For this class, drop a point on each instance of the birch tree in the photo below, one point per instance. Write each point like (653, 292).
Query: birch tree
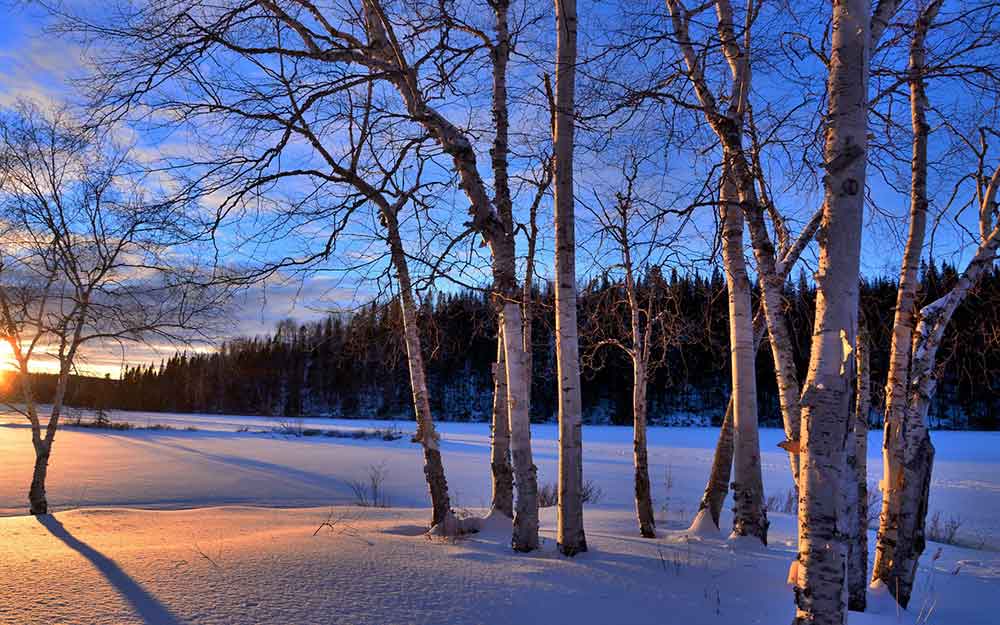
(632, 223)
(820, 591)
(908, 453)
(338, 48)
(710, 505)
(86, 260)
(749, 514)
(857, 563)
(571, 538)
(728, 125)
(905, 317)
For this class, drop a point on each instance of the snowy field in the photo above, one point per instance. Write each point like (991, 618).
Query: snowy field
(216, 526)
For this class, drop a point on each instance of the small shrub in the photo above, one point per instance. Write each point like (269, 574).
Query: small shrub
(785, 502)
(548, 494)
(592, 493)
(291, 428)
(874, 504)
(370, 492)
(105, 425)
(941, 530)
(102, 419)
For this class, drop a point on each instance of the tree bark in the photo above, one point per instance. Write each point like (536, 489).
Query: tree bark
(820, 592)
(895, 437)
(718, 478)
(484, 220)
(643, 495)
(722, 461)
(857, 563)
(426, 435)
(918, 459)
(36, 494)
(503, 476)
(570, 538)
(525, 534)
(750, 518)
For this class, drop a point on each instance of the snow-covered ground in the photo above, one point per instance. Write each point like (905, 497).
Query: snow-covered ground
(216, 526)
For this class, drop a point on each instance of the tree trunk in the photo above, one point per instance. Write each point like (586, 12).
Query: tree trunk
(426, 434)
(643, 495)
(894, 445)
(525, 535)
(718, 478)
(722, 461)
(571, 538)
(857, 563)
(503, 476)
(750, 518)
(821, 592)
(772, 303)
(918, 456)
(36, 495)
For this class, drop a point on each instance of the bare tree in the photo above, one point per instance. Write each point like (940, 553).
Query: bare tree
(632, 224)
(320, 55)
(571, 538)
(820, 591)
(86, 259)
(948, 59)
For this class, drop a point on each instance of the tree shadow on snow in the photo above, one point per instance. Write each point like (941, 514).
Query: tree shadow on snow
(146, 606)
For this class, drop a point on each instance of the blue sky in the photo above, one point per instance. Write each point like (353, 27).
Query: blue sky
(37, 65)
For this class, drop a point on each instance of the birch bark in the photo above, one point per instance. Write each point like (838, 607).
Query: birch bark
(570, 535)
(426, 434)
(895, 436)
(821, 592)
(750, 518)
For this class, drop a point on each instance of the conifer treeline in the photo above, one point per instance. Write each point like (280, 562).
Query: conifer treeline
(353, 365)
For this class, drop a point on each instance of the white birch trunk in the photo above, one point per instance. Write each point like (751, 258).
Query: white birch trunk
(503, 476)
(570, 535)
(821, 589)
(894, 445)
(714, 496)
(918, 455)
(750, 518)
(426, 435)
(643, 491)
(857, 563)
(525, 534)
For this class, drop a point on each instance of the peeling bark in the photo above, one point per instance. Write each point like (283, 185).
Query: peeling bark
(821, 591)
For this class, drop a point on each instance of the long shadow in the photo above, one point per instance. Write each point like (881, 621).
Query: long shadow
(148, 607)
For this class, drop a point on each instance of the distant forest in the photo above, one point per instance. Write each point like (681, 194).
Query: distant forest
(353, 365)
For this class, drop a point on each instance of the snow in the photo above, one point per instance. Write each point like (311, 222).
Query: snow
(216, 526)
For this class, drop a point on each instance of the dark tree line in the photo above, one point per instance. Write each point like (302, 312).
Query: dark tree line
(354, 364)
